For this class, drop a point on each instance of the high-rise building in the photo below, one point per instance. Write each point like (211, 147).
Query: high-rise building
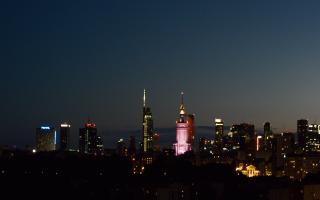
(267, 129)
(302, 126)
(46, 139)
(147, 127)
(122, 149)
(302, 132)
(243, 136)
(182, 145)
(88, 138)
(218, 136)
(267, 135)
(64, 137)
(156, 144)
(132, 150)
(191, 132)
(282, 145)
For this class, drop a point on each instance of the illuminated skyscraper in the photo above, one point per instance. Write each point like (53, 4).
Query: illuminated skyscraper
(64, 137)
(147, 127)
(219, 127)
(88, 138)
(182, 145)
(46, 138)
(191, 133)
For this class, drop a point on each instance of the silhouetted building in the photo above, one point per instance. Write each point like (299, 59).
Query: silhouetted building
(282, 146)
(243, 137)
(156, 144)
(147, 127)
(191, 132)
(168, 152)
(46, 138)
(302, 126)
(267, 135)
(302, 131)
(298, 166)
(132, 150)
(122, 148)
(88, 139)
(64, 137)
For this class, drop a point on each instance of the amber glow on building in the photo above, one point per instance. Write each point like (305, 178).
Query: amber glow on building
(248, 170)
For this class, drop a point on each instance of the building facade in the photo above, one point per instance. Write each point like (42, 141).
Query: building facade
(88, 139)
(182, 146)
(147, 127)
(64, 144)
(46, 138)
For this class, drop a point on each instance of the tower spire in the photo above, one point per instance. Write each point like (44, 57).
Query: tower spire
(182, 98)
(144, 97)
(182, 109)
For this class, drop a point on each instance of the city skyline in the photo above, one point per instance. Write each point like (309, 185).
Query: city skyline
(241, 62)
(169, 133)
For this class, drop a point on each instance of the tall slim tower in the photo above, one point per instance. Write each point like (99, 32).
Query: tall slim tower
(88, 138)
(182, 145)
(218, 137)
(65, 136)
(302, 131)
(147, 127)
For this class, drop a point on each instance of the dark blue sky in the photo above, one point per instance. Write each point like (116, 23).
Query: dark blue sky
(244, 62)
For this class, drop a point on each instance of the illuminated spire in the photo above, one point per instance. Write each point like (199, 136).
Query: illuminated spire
(182, 109)
(144, 97)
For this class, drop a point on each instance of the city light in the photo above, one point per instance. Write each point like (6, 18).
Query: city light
(55, 137)
(45, 127)
(65, 125)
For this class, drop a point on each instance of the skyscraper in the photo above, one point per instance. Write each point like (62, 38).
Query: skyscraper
(132, 150)
(243, 136)
(64, 137)
(46, 138)
(302, 126)
(267, 134)
(88, 138)
(122, 149)
(147, 127)
(156, 145)
(302, 132)
(182, 145)
(219, 129)
(191, 133)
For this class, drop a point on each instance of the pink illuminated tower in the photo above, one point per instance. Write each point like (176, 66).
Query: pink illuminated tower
(182, 145)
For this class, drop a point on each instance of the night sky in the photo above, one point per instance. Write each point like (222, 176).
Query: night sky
(253, 61)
